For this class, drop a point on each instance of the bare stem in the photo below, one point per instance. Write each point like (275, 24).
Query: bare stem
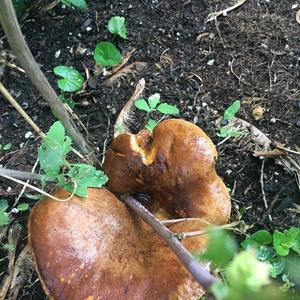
(200, 274)
(20, 48)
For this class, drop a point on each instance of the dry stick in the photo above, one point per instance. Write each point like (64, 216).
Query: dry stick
(200, 274)
(27, 118)
(20, 48)
(123, 115)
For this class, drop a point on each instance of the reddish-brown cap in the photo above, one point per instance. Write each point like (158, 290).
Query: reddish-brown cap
(97, 248)
(175, 165)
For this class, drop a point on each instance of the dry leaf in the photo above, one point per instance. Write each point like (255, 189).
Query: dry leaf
(258, 113)
(298, 16)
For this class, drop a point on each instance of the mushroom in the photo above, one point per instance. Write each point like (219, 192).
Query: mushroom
(97, 248)
(175, 166)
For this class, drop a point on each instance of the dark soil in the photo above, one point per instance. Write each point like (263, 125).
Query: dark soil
(252, 54)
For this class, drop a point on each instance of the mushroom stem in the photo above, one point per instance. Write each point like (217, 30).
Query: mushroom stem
(200, 274)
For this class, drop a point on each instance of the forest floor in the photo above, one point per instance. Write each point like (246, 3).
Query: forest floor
(251, 54)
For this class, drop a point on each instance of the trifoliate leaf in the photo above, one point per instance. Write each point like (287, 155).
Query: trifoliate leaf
(72, 80)
(142, 105)
(116, 25)
(168, 109)
(76, 3)
(154, 100)
(106, 54)
(232, 110)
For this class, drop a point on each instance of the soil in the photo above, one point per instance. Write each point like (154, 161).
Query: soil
(251, 54)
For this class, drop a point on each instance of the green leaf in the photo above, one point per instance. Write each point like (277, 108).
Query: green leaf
(232, 110)
(4, 219)
(221, 248)
(85, 176)
(23, 206)
(76, 3)
(3, 205)
(220, 290)
(6, 147)
(68, 101)
(295, 234)
(154, 100)
(264, 253)
(282, 241)
(53, 150)
(166, 108)
(230, 131)
(246, 274)
(106, 54)
(151, 124)
(261, 237)
(116, 25)
(277, 266)
(142, 105)
(34, 197)
(72, 80)
(8, 247)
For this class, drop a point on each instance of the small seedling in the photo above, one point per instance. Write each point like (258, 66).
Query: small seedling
(152, 105)
(4, 218)
(23, 207)
(52, 156)
(69, 101)
(116, 25)
(72, 80)
(81, 4)
(230, 130)
(5, 147)
(106, 54)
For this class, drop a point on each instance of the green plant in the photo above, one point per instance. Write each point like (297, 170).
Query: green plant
(4, 218)
(245, 276)
(153, 104)
(230, 130)
(52, 156)
(279, 250)
(5, 147)
(116, 25)
(76, 3)
(72, 80)
(106, 54)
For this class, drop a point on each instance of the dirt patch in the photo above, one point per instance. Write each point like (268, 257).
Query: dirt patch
(252, 54)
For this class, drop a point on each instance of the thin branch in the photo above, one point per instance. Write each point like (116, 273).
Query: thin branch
(207, 230)
(20, 48)
(24, 175)
(174, 221)
(200, 274)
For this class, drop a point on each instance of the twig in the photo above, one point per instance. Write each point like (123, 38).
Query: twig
(214, 15)
(41, 191)
(25, 186)
(174, 221)
(200, 274)
(20, 48)
(123, 115)
(183, 235)
(24, 175)
(262, 183)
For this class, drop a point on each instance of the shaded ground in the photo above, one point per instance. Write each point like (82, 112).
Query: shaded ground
(252, 54)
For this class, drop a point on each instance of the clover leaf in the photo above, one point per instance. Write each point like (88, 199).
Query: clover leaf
(116, 25)
(72, 80)
(106, 54)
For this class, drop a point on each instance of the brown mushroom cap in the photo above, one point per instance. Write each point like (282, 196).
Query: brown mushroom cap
(175, 165)
(97, 248)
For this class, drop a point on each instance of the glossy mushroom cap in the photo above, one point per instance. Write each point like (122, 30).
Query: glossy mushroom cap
(97, 248)
(175, 165)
